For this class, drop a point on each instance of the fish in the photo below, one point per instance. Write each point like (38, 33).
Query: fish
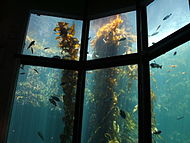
(158, 27)
(52, 102)
(55, 98)
(122, 114)
(41, 136)
(32, 50)
(22, 66)
(180, 117)
(175, 53)
(122, 39)
(56, 57)
(157, 132)
(36, 71)
(155, 65)
(46, 48)
(153, 43)
(135, 108)
(167, 16)
(22, 73)
(63, 83)
(155, 33)
(31, 44)
(173, 66)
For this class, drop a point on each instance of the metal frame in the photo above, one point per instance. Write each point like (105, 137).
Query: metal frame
(142, 58)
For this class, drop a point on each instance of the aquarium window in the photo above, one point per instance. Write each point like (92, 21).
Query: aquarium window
(110, 112)
(112, 36)
(44, 103)
(50, 36)
(165, 17)
(170, 88)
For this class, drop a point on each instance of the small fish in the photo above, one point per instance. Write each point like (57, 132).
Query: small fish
(31, 44)
(46, 48)
(40, 135)
(175, 53)
(22, 67)
(153, 43)
(155, 65)
(32, 50)
(55, 98)
(183, 73)
(22, 73)
(155, 33)
(157, 132)
(158, 27)
(122, 114)
(180, 117)
(89, 38)
(56, 57)
(36, 71)
(167, 16)
(52, 102)
(135, 108)
(122, 39)
(173, 66)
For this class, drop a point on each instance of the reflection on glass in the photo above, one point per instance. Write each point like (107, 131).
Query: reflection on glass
(43, 109)
(110, 113)
(53, 37)
(170, 88)
(112, 36)
(166, 17)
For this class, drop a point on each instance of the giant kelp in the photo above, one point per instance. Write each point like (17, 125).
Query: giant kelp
(69, 46)
(105, 124)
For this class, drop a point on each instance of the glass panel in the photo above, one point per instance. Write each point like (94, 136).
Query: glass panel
(166, 17)
(110, 112)
(53, 37)
(170, 88)
(112, 36)
(43, 109)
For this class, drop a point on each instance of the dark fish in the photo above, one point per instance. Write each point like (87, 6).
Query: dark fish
(32, 50)
(167, 16)
(89, 38)
(153, 43)
(55, 98)
(175, 53)
(63, 83)
(22, 73)
(122, 114)
(155, 65)
(52, 101)
(158, 27)
(157, 132)
(180, 117)
(46, 48)
(56, 57)
(40, 135)
(31, 44)
(122, 39)
(36, 71)
(155, 33)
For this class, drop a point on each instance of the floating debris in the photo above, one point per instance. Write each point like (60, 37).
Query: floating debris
(41, 136)
(180, 117)
(52, 101)
(175, 53)
(155, 65)
(122, 114)
(55, 98)
(167, 16)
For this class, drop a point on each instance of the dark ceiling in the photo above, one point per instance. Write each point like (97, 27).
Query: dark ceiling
(77, 8)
